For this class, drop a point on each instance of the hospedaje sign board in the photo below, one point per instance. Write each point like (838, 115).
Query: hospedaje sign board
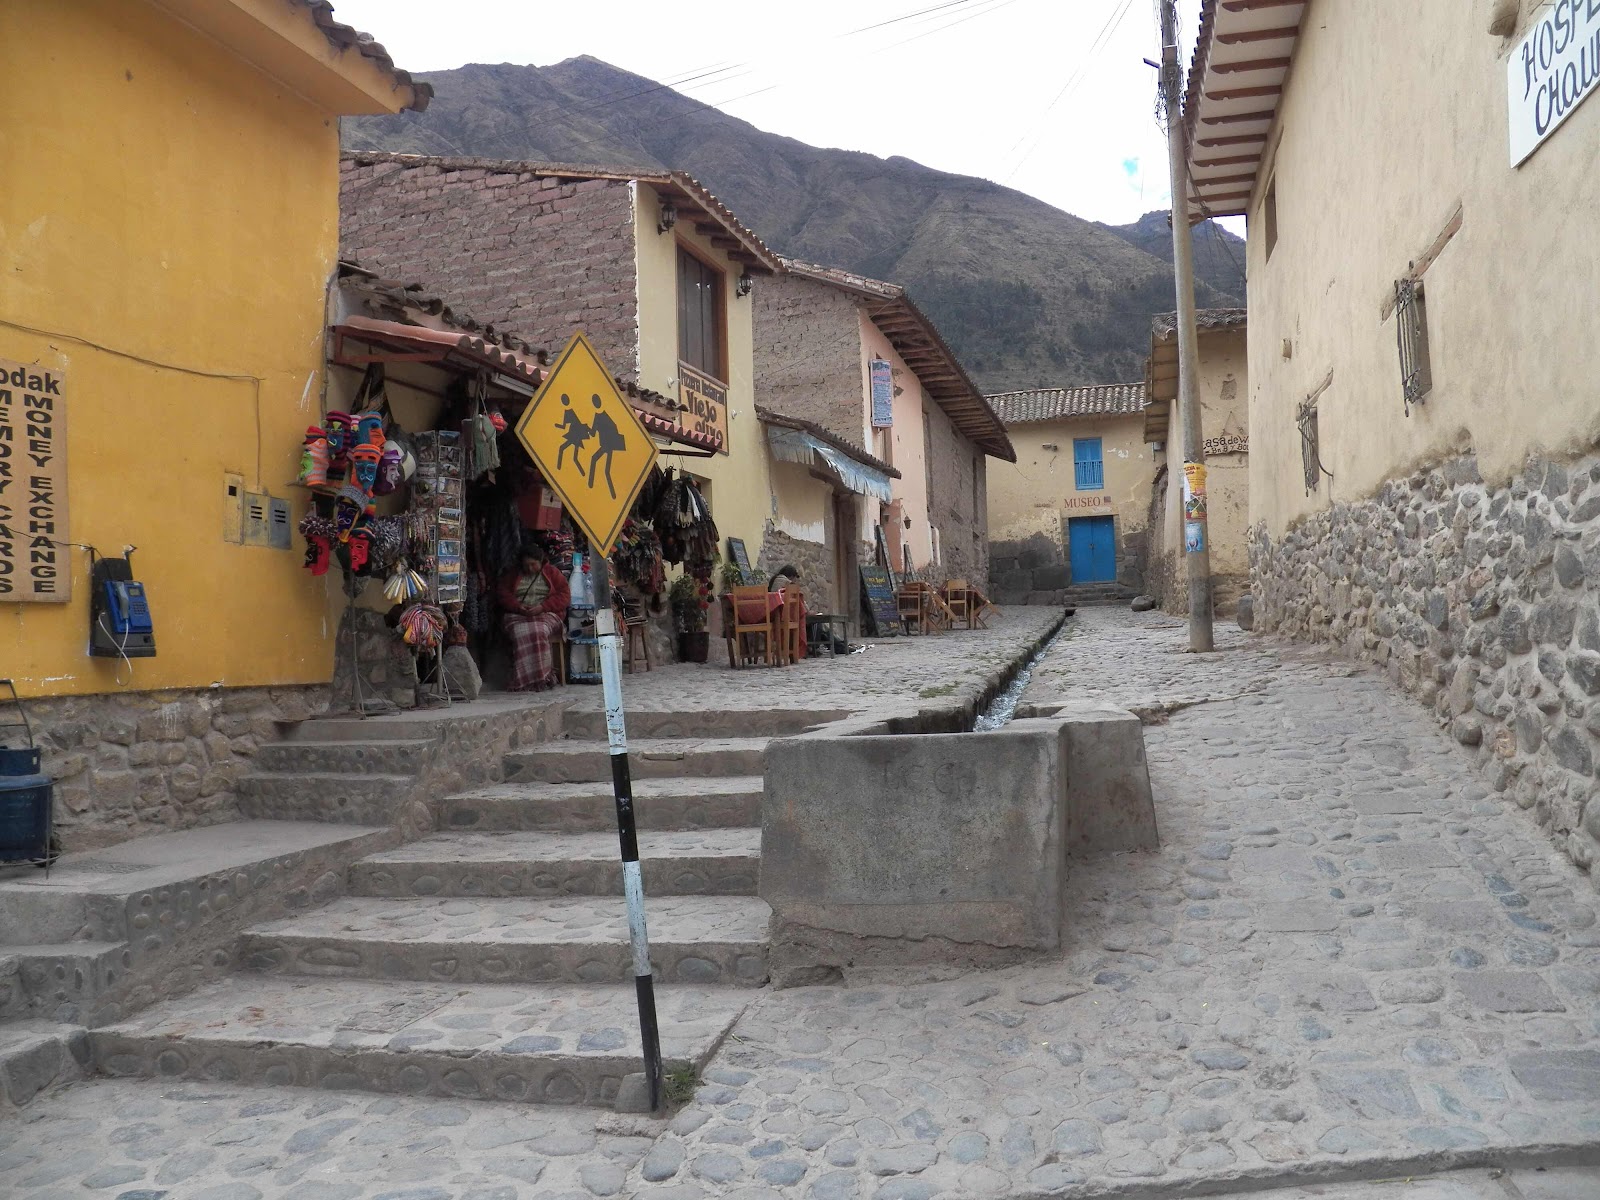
(1552, 70)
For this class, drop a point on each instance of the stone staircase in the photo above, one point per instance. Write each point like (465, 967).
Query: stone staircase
(1091, 595)
(490, 959)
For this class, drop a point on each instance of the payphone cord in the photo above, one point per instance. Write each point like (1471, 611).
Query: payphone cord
(122, 649)
(122, 646)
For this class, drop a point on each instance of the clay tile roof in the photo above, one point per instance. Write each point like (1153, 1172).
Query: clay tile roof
(391, 297)
(343, 37)
(1055, 404)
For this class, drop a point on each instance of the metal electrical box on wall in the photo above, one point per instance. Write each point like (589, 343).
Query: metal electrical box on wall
(266, 521)
(253, 518)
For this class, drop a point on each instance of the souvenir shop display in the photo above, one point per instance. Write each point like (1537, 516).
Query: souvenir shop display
(437, 493)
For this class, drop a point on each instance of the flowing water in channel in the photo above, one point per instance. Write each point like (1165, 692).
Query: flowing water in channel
(1004, 706)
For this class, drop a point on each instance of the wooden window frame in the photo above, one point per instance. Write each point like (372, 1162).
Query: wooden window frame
(720, 374)
(1269, 216)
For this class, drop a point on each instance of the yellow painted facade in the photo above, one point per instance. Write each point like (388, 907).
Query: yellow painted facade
(1223, 384)
(1038, 494)
(167, 233)
(739, 489)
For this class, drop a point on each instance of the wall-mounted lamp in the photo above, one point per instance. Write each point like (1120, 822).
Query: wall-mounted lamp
(746, 284)
(669, 216)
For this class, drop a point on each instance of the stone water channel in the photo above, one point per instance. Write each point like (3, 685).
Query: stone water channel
(1003, 708)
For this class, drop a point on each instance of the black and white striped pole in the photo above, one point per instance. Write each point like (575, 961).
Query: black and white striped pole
(605, 627)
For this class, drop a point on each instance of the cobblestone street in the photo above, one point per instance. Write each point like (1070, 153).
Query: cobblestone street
(1349, 960)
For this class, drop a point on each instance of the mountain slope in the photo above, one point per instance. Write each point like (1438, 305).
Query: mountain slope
(1026, 294)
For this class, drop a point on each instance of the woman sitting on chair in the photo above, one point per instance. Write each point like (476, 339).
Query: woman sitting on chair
(533, 602)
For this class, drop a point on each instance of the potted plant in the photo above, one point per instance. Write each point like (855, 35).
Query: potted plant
(689, 598)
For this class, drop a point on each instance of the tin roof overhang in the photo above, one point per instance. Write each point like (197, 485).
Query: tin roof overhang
(1241, 64)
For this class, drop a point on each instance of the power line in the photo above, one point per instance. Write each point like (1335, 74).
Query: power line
(1113, 23)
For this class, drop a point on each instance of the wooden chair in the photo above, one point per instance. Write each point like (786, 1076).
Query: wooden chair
(747, 602)
(913, 610)
(958, 598)
(636, 633)
(793, 631)
(981, 606)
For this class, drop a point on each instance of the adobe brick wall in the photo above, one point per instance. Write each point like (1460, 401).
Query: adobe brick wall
(808, 354)
(963, 526)
(534, 256)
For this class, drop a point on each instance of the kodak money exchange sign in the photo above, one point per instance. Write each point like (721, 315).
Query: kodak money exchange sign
(588, 443)
(33, 484)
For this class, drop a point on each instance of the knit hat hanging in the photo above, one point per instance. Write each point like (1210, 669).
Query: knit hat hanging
(365, 457)
(314, 457)
(369, 428)
(338, 424)
(319, 534)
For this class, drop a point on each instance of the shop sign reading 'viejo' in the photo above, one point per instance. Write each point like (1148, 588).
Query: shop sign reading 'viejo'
(1551, 72)
(705, 405)
(33, 484)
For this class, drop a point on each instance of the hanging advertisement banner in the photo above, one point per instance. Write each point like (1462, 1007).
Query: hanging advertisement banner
(882, 394)
(33, 485)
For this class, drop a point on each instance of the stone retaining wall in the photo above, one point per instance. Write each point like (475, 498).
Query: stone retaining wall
(1484, 603)
(138, 763)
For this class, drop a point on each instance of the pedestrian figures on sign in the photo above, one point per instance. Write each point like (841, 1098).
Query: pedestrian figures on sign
(576, 433)
(609, 440)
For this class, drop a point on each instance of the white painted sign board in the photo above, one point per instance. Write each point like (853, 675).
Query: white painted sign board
(1553, 70)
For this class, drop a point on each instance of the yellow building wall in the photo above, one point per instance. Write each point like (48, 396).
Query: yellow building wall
(1370, 164)
(170, 216)
(1038, 493)
(740, 496)
(1223, 382)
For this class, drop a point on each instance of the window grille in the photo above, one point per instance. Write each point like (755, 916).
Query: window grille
(1310, 448)
(1411, 330)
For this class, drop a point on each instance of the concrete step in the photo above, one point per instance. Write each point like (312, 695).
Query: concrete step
(648, 758)
(590, 724)
(706, 862)
(717, 803)
(539, 1045)
(150, 890)
(387, 756)
(693, 939)
(324, 796)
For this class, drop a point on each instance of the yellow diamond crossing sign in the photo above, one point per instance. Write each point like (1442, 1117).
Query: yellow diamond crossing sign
(588, 443)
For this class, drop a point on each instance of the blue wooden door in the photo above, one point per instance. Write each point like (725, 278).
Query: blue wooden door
(1088, 466)
(1092, 549)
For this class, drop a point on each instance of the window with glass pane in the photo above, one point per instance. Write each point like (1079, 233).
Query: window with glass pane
(699, 314)
(1088, 465)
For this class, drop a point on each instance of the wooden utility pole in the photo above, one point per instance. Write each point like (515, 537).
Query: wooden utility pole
(1196, 542)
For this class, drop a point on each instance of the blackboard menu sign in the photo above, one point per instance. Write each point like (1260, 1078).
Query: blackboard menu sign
(877, 597)
(741, 558)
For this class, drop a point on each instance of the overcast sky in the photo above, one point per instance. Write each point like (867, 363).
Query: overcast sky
(1051, 97)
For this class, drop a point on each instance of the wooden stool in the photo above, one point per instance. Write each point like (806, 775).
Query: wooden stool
(633, 624)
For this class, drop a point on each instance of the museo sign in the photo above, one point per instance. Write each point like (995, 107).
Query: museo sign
(1553, 70)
